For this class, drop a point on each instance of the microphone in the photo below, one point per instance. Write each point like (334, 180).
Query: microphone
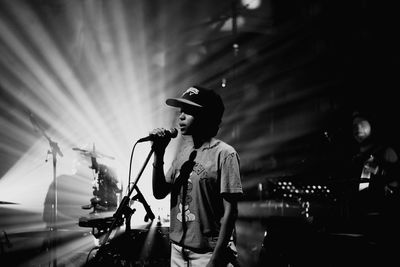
(171, 133)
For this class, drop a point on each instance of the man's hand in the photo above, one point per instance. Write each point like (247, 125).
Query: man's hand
(160, 140)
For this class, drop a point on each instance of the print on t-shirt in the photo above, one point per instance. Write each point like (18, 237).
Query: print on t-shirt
(185, 211)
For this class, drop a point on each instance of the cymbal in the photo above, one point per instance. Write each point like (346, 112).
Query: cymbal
(92, 154)
(7, 202)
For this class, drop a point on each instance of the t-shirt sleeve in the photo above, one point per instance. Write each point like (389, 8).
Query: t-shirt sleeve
(230, 174)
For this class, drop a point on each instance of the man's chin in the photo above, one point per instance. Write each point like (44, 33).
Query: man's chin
(185, 132)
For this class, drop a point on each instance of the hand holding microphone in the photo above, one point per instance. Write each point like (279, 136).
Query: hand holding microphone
(160, 138)
(160, 133)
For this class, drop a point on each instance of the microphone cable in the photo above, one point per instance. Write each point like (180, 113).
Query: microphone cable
(130, 167)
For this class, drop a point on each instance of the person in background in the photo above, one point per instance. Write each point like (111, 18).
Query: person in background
(204, 183)
(374, 190)
(376, 164)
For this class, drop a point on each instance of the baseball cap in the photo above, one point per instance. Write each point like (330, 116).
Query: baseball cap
(206, 100)
(364, 115)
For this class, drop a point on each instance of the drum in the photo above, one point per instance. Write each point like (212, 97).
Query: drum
(137, 247)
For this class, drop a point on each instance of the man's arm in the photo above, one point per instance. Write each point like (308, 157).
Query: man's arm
(227, 226)
(160, 186)
(160, 142)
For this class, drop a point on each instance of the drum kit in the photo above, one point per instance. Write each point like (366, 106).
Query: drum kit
(143, 246)
(135, 247)
(105, 188)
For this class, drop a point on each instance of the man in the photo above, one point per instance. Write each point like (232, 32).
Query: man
(374, 196)
(376, 163)
(204, 183)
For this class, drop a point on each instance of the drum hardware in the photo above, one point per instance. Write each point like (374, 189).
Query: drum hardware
(5, 243)
(124, 212)
(93, 153)
(6, 202)
(54, 151)
(105, 188)
(99, 225)
(137, 247)
(123, 208)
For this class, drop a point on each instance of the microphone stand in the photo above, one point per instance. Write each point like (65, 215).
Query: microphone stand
(54, 150)
(53, 239)
(124, 209)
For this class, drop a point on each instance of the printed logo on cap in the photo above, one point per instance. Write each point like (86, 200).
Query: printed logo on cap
(192, 91)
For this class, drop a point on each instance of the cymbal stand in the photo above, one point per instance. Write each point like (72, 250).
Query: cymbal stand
(53, 229)
(54, 151)
(124, 209)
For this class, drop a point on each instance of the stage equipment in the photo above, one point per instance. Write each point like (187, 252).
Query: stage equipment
(54, 151)
(105, 188)
(6, 202)
(107, 253)
(135, 248)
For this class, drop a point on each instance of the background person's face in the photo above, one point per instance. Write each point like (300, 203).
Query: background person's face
(361, 129)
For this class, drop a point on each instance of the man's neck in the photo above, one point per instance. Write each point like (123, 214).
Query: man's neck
(197, 141)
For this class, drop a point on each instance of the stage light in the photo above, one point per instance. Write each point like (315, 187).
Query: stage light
(88, 87)
(227, 26)
(251, 4)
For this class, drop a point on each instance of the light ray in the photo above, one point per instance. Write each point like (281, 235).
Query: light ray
(89, 87)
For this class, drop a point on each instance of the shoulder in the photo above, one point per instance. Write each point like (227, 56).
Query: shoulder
(385, 152)
(224, 150)
(390, 155)
(221, 146)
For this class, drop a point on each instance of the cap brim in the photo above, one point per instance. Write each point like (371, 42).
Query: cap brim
(179, 102)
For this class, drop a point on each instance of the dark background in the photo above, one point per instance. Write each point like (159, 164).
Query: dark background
(301, 68)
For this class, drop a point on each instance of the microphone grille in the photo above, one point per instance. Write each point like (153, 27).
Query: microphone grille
(174, 132)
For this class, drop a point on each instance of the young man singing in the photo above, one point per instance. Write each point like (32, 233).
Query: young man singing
(204, 183)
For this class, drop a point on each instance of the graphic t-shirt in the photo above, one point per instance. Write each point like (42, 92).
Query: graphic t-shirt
(200, 177)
